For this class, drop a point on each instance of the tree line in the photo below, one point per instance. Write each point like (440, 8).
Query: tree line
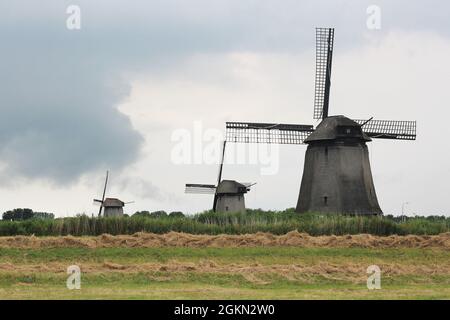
(25, 214)
(19, 214)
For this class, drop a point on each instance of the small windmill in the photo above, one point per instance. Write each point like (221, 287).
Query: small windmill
(228, 194)
(337, 177)
(111, 206)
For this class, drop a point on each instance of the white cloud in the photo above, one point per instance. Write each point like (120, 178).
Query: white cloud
(213, 62)
(402, 76)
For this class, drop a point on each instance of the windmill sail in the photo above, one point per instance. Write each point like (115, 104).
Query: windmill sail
(324, 56)
(248, 184)
(200, 188)
(248, 132)
(219, 178)
(104, 192)
(389, 129)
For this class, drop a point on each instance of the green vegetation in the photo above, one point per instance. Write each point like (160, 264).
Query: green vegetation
(229, 223)
(25, 214)
(224, 273)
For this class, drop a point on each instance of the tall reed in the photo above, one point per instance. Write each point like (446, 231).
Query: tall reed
(230, 223)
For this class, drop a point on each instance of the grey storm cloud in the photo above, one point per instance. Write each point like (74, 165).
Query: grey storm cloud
(59, 89)
(59, 116)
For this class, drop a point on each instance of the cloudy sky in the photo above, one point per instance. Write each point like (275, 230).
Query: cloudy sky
(119, 92)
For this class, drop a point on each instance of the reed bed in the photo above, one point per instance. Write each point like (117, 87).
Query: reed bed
(212, 223)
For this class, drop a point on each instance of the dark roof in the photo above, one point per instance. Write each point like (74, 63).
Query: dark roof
(337, 127)
(230, 187)
(113, 202)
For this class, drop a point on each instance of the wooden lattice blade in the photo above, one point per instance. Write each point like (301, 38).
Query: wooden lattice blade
(200, 188)
(278, 133)
(389, 129)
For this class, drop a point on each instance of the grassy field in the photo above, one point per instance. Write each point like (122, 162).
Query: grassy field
(225, 273)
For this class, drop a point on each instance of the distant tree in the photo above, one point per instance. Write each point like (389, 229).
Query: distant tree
(43, 215)
(18, 214)
(436, 218)
(176, 214)
(8, 215)
(141, 214)
(158, 214)
(154, 214)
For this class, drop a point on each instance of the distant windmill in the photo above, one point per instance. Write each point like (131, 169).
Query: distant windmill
(228, 194)
(337, 177)
(111, 206)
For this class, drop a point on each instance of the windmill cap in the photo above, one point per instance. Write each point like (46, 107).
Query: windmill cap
(337, 127)
(113, 202)
(231, 187)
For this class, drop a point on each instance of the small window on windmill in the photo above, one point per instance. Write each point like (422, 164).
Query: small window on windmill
(325, 200)
(226, 208)
(345, 130)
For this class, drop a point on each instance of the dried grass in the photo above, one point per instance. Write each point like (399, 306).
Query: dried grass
(349, 271)
(176, 239)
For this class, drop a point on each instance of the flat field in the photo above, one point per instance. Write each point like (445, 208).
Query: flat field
(259, 266)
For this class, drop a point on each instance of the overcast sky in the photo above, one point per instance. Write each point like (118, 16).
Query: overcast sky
(116, 93)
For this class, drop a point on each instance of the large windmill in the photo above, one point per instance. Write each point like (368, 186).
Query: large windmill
(337, 177)
(228, 194)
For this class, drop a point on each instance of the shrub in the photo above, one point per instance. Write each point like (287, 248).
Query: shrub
(141, 214)
(176, 214)
(158, 214)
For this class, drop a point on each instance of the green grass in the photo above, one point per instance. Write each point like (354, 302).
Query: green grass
(27, 280)
(229, 255)
(231, 223)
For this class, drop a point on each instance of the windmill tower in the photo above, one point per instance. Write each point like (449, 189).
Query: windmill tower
(337, 177)
(228, 194)
(112, 207)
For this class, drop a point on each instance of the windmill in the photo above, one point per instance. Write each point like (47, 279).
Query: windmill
(111, 206)
(228, 194)
(337, 177)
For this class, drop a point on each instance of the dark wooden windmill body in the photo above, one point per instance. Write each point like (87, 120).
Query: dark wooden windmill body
(228, 194)
(337, 177)
(112, 207)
